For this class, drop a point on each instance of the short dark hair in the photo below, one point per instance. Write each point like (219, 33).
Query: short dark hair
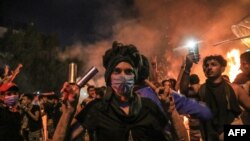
(29, 96)
(163, 81)
(89, 87)
(194, 79)
(245, 56)
(172, 82)
(218, 58)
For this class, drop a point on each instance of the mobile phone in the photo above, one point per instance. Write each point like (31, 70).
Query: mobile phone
(195, 51)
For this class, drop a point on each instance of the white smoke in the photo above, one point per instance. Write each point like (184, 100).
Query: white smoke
(163, 25)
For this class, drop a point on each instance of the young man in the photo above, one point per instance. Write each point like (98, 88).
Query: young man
(92, 95)
(192, 92)
(221, 97)
(33, 114)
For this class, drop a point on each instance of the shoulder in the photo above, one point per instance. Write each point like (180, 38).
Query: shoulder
(241, 78)
(238, 89)
(147, 102)
(235, 87)
(89, 110)
(144, 89)
(150, 105)
(94, 104)
(154, 109)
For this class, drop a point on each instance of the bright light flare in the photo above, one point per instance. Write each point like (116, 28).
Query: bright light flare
(191, 43)
(233, 60)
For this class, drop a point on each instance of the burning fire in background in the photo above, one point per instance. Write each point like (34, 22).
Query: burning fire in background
(233, 63)
(159, 26)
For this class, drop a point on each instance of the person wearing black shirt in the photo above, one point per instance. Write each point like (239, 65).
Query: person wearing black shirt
(122, 115)
(10, 118)
(32, 112)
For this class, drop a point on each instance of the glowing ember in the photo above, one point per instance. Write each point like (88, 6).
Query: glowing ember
(233, 60)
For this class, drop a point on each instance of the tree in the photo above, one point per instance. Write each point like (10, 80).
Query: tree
(42, 69)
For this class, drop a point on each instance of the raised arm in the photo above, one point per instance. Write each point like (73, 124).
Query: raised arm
(184, 82)
(154, 77)
(169, 107)
(71, 97)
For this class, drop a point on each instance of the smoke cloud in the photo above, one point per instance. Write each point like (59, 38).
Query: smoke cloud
(157, 27)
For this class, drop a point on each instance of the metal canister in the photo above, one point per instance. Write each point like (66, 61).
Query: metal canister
(87, 76)
(72, 73)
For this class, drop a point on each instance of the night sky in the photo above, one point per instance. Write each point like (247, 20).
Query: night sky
(71, 20)
(156, 27)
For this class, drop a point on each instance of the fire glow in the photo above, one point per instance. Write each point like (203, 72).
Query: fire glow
(233, 60)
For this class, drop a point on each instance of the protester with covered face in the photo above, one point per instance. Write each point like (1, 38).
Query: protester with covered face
(121, 115)
(10, 118)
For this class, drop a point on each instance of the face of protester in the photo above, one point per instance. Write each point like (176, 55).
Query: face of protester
(122, 79)
(168, 84)
(26, 101)
(245, 67)
(92, 93)
(10, 98)
(213, 69)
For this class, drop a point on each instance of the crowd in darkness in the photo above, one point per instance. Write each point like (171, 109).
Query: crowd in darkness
(132, 106)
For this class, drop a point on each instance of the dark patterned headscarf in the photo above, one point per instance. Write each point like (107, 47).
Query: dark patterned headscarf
(121, 53)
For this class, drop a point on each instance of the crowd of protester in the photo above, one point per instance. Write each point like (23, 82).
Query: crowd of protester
(135, 105)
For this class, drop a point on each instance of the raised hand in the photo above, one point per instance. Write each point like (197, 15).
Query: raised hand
(71, 95)
(190, 59)
(167, 99)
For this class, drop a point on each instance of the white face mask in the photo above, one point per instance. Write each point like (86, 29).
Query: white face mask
(123, 84)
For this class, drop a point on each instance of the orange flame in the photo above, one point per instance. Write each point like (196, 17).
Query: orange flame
(233, 60)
